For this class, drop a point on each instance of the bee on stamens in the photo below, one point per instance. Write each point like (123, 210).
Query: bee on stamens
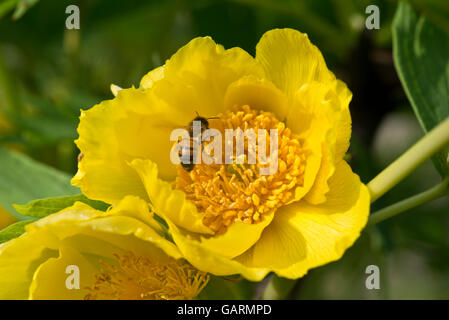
(187, 146)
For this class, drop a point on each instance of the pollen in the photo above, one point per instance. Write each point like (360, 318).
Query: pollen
(140, 278)
(237, 191)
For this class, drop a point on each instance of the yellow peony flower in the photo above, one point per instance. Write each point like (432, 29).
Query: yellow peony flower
(228, 218)
(83, 253)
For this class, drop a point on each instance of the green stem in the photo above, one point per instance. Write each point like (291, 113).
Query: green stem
(434, 193)
(410, 160)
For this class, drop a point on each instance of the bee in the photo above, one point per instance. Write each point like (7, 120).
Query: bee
(186, 150)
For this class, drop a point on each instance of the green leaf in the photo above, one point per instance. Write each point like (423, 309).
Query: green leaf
(421, 55)
(43, 207)
(13, 231)
(23, 179)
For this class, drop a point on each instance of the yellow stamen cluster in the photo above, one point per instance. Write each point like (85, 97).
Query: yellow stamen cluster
(139, 278)
(227, 193)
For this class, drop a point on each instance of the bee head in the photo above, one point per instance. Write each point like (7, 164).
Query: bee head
(204, 122)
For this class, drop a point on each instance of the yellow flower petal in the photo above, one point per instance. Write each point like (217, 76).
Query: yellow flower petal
(115, 89)
(115, 132)
(318, 99)
(303, 236)
(290, 60)
(323, 108)
(152, 77)
(337, 139)
(259, 94)
(205, 260)
(197, 76)
(17, 258)
(231, 243)
(49, 280)
(308, 118)
(343, 135)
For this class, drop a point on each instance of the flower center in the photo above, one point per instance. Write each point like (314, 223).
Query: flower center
(227, 193)
(139, 278)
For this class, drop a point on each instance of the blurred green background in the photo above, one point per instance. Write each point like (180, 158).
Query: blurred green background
(49, 73)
